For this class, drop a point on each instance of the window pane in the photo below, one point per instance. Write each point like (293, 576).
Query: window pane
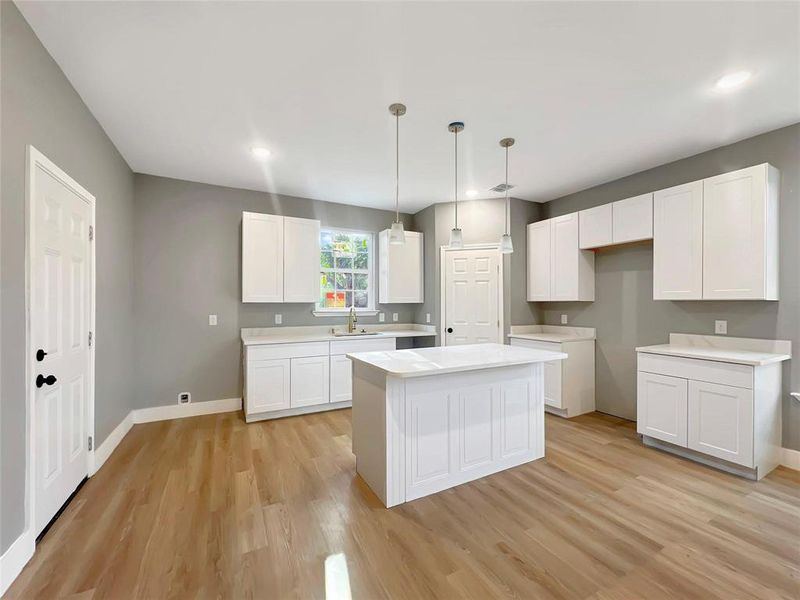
(361, 243)
(361, 300)
(348, 300)
(360, 281)
(326, 260)
(343, 245)
(344, 263)
(326, 241)
(361, 261)
(326, 282)
(344, 281)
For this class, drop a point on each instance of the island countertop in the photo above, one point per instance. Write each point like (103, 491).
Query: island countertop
(422, 362)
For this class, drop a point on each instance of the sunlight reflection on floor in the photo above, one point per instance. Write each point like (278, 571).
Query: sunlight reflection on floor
(337, 578)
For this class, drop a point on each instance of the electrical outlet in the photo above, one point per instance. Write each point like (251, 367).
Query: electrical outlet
(212, 320)
(381, 317)
(395, 316)
(427, 317)
(721, 327)
(278, 319)
(184, 398)
(563, 319)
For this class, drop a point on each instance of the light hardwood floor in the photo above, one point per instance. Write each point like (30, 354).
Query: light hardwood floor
(212, 507)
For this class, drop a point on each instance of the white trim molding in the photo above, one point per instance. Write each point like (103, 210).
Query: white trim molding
(791, 459)
(15, 558)
(179, 411)
(104, 450)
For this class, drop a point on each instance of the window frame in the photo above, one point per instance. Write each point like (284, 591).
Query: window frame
(371, 290)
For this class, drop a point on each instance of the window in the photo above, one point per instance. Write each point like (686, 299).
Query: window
(346, 273)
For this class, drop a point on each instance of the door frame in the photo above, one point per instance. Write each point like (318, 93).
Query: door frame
(34, 159)
(443, 250)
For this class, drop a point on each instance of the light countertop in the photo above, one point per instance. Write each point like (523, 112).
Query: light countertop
(452, 359)
(552, 333)
(257, 336)
(743, 351)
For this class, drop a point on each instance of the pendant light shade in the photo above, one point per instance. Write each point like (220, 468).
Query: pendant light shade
(506, 244)
(397, 235)
(456, 239)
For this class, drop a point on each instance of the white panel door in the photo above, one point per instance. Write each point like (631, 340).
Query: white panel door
(61, 294)
(633, 219)
(341, 378)
(595, 225)
(661, 405)
(300, 260)
(565, 274)
(678, 243)
(721, 421)
(267, 385)
(472, 294)
(734, 228)
(262, 258)
(310, 381)
(539, 261)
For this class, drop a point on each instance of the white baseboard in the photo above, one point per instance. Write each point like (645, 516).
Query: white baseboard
(178, 411)
(791, 458)
(15, 558)
(104, 450)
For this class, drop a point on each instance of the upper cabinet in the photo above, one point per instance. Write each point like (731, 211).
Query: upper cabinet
(717, 239)
(401, 271)
(558, 270)
(629, 220)
(596, 227)
(280, 258)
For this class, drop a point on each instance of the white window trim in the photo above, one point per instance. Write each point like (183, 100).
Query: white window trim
(370, 310)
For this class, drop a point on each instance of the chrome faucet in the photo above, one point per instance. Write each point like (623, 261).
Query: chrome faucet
(352, 319)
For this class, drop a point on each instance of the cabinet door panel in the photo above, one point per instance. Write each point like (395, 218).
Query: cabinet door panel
(564, 276)
(661, 403)
(633, 219)
(267, 385)
(341, 379)
(401, 267)
(678, 243)
(262, 258)
(301, 260)
(539, 252)
(310, 381)
(721, 421)
(595, 226)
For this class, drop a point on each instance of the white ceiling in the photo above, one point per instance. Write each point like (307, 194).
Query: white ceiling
(591, 91)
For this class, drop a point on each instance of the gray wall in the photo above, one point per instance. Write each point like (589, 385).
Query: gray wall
(624, 311)
(40, 107)
(187, 266)
(481, 221)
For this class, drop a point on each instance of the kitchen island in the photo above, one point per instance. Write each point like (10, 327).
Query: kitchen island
(428, 419)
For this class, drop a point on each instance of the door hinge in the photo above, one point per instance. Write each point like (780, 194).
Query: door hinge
(91, 444)
(91, 233)
(90, 339)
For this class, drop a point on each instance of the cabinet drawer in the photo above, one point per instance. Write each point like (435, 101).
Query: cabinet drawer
(287, 350)
(537, 345)
(373, 344)
(699, 370)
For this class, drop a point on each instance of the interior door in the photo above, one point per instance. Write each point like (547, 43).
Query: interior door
(61, 304)
(472, 294)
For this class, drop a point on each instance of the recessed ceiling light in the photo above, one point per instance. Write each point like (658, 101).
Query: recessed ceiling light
(472, 193)
(731, 81)
(260, 153)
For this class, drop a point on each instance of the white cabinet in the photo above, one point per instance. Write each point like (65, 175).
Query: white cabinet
(557, 269)
(280, 258)
(309, 381)
(401, 269)
(633, 219)
(678, 243)
(596, 227)
(721, 421)
(266, 385)
(740, 235)
(262, 258)
(661, 403)
(341, 379)
(300, 260)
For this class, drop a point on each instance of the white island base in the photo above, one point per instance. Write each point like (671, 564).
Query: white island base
(429, 419)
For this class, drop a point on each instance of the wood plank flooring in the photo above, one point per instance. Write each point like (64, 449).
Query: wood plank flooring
(209, 507)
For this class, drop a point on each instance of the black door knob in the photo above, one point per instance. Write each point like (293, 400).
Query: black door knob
(41, 380)
(449, 330)
(40, 354)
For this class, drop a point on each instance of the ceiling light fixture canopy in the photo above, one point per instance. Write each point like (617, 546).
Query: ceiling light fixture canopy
(456, 239)
(506, 244)
(397, 235)
(731, 81)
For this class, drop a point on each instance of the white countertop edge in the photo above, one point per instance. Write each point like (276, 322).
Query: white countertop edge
(742, 357)
(301, 334)
(551, 337)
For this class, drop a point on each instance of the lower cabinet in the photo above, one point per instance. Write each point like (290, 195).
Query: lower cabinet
(721, 421)
(341, 378)
(309, 381)
(661, 403)
(267, 386)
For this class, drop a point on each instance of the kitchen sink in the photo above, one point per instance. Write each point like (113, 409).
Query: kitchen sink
(355, 333)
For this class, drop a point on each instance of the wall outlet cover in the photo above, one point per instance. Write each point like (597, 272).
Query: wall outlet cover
(721, 327)
(563, 319)
(278, 319)
(381, 317)
(184, 398)
(395, 316)
(212, 320)
(427, 317)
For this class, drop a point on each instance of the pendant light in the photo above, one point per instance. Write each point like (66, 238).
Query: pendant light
(456, 239)
(506, 245)
(397, 236)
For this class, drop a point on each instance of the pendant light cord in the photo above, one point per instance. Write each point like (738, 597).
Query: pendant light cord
(397, 167)
(508, 207)
(455, 138)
